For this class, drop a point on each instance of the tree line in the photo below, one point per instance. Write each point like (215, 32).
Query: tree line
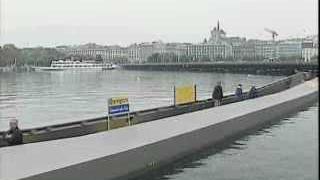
(10, 55)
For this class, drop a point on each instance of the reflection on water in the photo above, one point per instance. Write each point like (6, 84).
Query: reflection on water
(284, 149)
(43, 98)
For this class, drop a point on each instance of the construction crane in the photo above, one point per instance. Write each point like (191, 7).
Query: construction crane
(273, 33)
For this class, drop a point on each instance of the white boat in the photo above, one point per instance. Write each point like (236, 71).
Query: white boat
(110, 66)
(60, 65)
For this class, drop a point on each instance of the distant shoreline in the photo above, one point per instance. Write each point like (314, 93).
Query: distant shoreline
(16, 69)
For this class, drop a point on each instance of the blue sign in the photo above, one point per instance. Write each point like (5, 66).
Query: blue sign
(118, 105)
(119, 109)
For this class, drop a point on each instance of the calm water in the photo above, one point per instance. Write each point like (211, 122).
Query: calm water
(43, 98)
(287, 149)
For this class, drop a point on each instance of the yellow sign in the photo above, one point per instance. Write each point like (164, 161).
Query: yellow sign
(185, 94)
(118, 101)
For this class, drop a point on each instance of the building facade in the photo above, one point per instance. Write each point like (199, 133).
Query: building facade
(212, 51)
(289, 49)
(217, 47)
(310, 49)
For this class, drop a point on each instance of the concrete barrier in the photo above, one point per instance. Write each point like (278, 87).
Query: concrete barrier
(127, 152)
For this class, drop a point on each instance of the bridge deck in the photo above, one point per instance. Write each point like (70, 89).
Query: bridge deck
(28, 160)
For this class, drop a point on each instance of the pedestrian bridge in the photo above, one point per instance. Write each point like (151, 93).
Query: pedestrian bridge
(131, 150)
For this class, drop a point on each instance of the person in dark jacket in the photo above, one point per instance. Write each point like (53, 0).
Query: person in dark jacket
(14, 135)
(239, 92)
(217, 94)
(253, 92)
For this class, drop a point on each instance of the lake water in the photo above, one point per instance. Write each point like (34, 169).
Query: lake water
(43, 98)
(287, 149)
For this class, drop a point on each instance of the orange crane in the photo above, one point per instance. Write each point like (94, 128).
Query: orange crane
(273, 33)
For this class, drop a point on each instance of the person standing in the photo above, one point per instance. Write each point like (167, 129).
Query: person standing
(13, 136)
(239, 92)
(217, 94)
(253, 92)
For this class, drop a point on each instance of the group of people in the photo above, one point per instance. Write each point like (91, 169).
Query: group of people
(217, 93)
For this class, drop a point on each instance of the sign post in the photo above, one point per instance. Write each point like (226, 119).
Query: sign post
(118, 106)
(108, 123)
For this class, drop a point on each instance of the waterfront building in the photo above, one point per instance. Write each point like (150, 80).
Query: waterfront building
(262, 49)
(289, 49)
(248, 52)
(134, 53)
(178, 49)
(115, 53)
(217, 34)
(239, 51)
(216, 48)
(310, 47)
(107, 53)
(211, 51)
(138, 53)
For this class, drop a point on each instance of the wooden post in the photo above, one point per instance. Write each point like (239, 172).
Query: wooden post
(195, 93)
(108, 122)
(129, 121)
(108, 119)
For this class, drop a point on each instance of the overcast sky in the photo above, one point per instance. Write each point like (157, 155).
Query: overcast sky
(107, 22)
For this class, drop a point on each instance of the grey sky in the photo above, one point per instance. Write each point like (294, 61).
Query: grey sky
(57, 22)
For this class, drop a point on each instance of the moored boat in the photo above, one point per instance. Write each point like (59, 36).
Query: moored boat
(60, 65)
